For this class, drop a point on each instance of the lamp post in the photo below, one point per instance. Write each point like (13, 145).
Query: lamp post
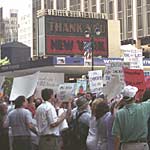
(91, 43)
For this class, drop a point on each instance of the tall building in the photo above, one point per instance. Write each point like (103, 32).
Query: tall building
(134, 15)
(11, 27)
(1, 26)
(13, 21)
(25, 30)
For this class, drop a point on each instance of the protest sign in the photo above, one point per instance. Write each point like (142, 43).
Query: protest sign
(113, 88)
(135, 57)
(95, 81)
(135, 77)
(107, 73)
(49, 80)
(24, 85)
(66, 91)
(81, 86)
(113, 69)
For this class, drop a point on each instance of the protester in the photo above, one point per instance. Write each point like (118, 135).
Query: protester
(31, 105)
(146, 96)
(130, 123)
(101, 114)
(80, 124)
(20, 120)
(4, 139)
(91, 138)
(48, 122)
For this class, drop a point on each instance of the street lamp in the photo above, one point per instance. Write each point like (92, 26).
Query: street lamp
(89, 34)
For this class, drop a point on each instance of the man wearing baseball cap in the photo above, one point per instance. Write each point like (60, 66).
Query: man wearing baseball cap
(130, 123)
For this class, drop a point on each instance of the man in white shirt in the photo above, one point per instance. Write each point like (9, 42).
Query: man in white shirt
(48, 122)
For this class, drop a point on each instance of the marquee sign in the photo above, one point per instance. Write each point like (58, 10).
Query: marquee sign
(65, 35)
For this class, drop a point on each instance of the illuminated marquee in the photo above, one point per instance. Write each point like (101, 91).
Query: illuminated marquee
(65, 35)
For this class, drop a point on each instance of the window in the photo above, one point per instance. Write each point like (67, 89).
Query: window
(110, 7)
(129, 24)
(129, 4)
(140, 21)
(102, 8)
(119, 5)
(13, 15)
(148, 20)
(148, 1)
(139, 3)
(121, 26)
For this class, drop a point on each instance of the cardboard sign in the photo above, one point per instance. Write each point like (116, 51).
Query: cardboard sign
(24, 85)
(135, 77)
(95, 81)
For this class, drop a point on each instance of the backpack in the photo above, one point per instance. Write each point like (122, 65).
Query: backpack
(78, 133)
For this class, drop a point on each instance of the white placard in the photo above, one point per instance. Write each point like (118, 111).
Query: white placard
(66, 91)
(135, 57)
(113, 88)
(95, 81)
(49, 80)
(24, 85)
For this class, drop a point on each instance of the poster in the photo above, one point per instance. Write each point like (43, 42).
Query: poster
(95, 81)
(81, 86)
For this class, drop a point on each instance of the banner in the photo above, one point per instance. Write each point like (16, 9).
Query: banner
(95, 81)
(49, 80)
(135, 77)
(24, 85)
(66, 91)
(88, 53)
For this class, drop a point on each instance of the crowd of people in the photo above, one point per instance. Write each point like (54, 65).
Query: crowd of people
(85, 122)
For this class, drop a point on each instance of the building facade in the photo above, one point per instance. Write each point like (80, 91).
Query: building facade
(134, 15)
(25, 30)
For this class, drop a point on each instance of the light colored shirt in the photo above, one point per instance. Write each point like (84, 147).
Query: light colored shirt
(131, 122)
(18, 120)
(45, 116)
(91, 138)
